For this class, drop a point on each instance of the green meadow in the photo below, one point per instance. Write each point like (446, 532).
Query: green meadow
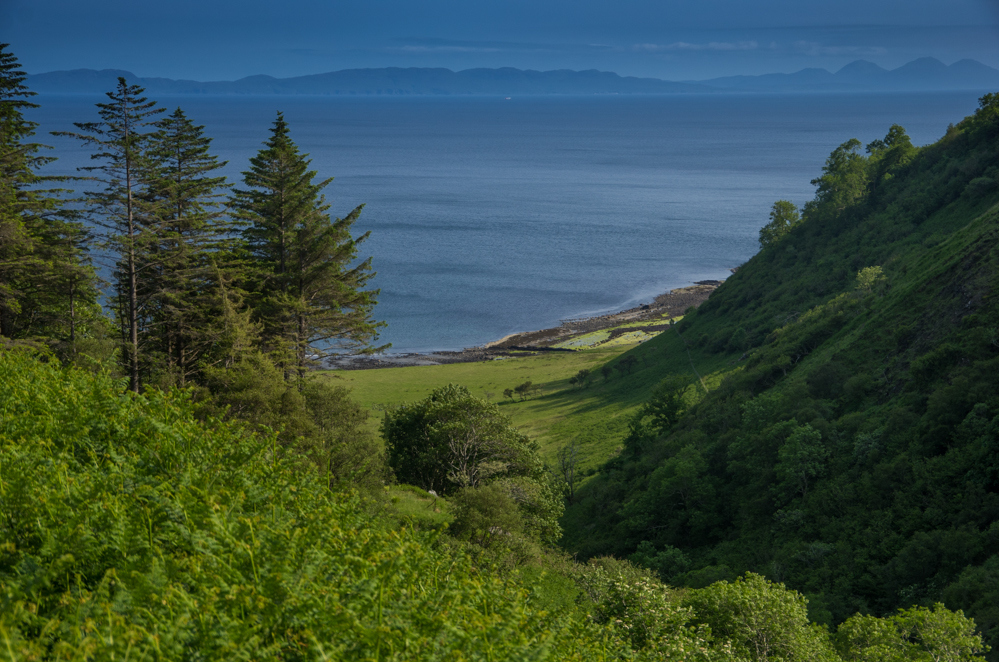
(595, 416)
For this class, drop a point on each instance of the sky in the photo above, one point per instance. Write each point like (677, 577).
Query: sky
(670, 39)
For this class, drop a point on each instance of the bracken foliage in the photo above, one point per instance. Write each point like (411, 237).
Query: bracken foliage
(130, 531)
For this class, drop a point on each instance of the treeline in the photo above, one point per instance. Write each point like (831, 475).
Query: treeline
(850, 447)
(233, 291)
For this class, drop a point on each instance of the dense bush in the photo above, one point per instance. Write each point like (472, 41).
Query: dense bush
(452, 441)
(761, 620)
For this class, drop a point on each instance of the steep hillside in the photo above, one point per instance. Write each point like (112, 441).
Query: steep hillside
(852, 447)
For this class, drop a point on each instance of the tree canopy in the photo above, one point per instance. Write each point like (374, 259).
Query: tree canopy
(783, 216)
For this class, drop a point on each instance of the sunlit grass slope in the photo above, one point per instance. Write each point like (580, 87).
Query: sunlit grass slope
(596, 417)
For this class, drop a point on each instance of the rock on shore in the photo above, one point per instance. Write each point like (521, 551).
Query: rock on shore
(658, 313)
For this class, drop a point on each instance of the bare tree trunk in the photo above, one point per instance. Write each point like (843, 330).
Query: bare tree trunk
(568, 458)
(181, 359)
(133, 296)
(301, 350)
(72, 316)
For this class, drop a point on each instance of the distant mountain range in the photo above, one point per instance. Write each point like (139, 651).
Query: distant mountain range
(390, 80)
(923, 74)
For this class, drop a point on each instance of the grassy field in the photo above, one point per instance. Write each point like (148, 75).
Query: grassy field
(596, 416)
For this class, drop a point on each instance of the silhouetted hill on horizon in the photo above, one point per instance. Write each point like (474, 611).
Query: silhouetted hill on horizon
(924, 74)
(386, 81)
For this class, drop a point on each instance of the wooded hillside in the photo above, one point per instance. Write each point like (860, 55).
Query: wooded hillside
(851, 449)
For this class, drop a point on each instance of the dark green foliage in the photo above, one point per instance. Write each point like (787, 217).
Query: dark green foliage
(888, 156)
(801, 459)
(452, 440)
(318, 423)
(783, 216)
(338, 444)
(843, 182)
(659, 413)
(526, 390)
(187, 265)
(626, 365)
(581, 378)
(668, 562)
(307, 292)
(567, 469)
(976, 591)
(850, 452)
(48, 290)
(252, 389)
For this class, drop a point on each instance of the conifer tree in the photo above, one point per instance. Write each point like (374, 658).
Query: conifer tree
(119, 140)
(45, 275)
(308, 292)
(185, 288)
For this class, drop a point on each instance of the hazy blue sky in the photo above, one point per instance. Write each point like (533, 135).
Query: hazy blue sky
(673, 39)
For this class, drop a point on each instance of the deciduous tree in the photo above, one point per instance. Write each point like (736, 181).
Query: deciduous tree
(659, 413)
(762, 620)
(888, 155)
(843, 182)
(783, 216)
(451, 440)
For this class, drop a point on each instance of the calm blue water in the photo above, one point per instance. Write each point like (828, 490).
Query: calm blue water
(491, 216)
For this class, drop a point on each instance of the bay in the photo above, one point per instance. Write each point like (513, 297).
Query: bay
(490, 216)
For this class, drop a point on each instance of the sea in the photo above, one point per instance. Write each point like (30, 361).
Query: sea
(492, 215)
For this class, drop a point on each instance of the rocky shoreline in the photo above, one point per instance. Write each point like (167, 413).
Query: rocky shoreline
(658, 314)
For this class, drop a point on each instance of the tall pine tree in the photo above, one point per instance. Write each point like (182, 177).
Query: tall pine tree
(308, 289)
(46, 282)
(119, 140)
(188, 263)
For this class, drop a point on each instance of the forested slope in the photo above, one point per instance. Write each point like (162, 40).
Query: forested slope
(852, 449)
